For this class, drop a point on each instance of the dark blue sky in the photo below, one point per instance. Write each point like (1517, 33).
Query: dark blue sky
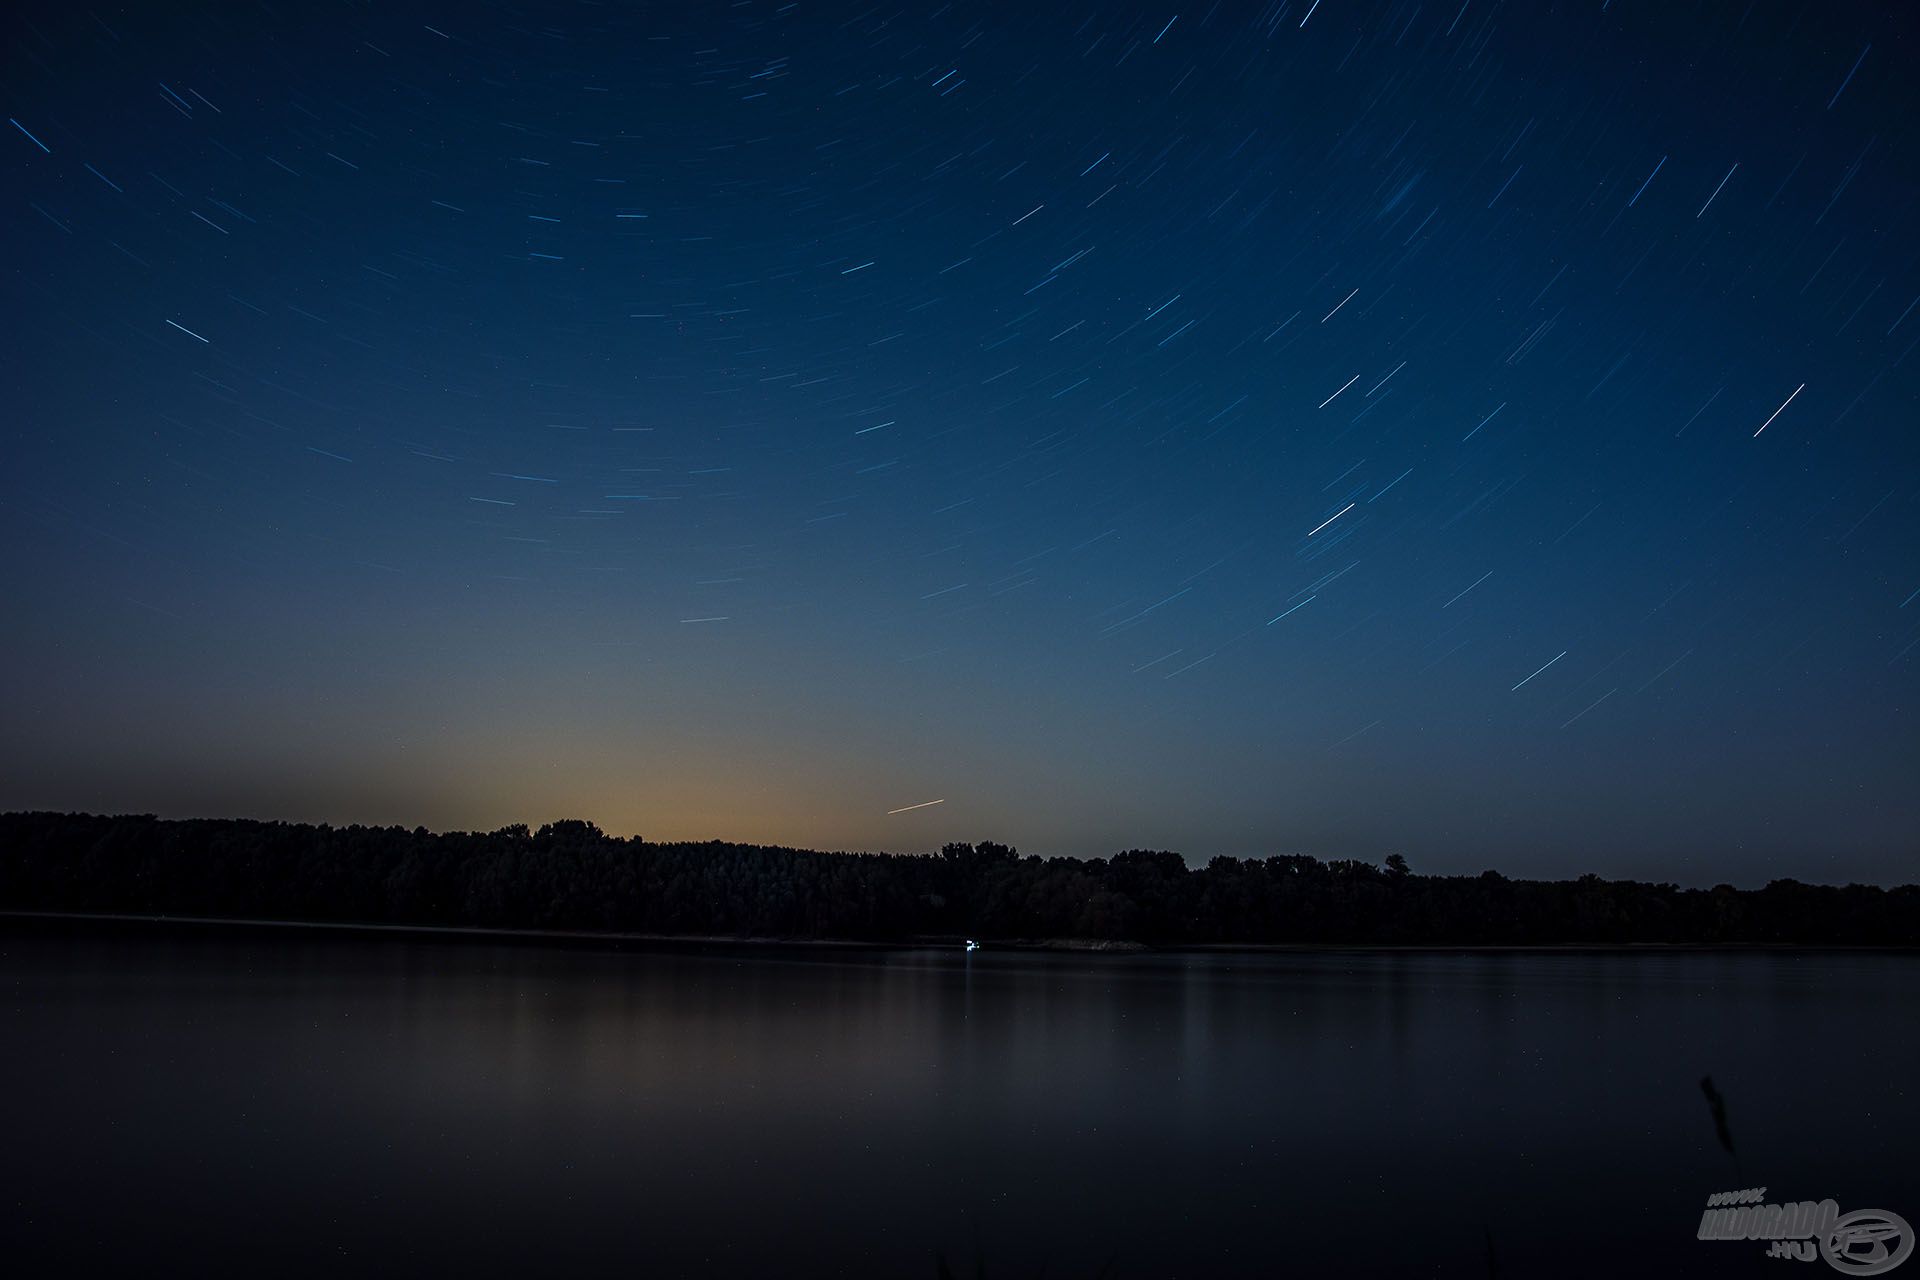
(1335, 428)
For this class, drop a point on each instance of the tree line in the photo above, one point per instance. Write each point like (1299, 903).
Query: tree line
(572, 876)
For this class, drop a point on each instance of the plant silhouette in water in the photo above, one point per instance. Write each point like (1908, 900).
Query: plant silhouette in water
(1718, 1105)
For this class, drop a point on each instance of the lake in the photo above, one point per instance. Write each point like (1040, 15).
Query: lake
(271, 1103)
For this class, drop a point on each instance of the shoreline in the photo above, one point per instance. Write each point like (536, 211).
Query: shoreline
(1073, 946)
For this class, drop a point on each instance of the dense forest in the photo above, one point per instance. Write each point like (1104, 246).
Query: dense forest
(572, 876)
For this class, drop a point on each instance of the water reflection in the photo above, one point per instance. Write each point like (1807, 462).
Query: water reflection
(393, 1105)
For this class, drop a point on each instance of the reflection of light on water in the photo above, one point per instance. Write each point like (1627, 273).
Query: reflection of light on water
(972, 945)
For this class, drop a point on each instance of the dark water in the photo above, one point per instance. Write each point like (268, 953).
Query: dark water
(271, 1104)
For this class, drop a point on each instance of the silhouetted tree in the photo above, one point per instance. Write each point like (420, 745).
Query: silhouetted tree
(570, 875)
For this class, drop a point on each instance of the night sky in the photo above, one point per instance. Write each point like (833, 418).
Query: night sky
(1485, 432)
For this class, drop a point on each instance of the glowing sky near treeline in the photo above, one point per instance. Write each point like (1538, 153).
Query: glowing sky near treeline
(1480, 431)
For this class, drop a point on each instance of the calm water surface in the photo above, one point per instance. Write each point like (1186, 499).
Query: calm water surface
(254, 1104)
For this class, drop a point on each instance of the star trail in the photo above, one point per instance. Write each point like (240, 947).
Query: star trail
(747, 420)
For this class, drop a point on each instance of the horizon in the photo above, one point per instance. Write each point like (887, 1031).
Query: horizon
(1195, 860)
(1357, 434)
